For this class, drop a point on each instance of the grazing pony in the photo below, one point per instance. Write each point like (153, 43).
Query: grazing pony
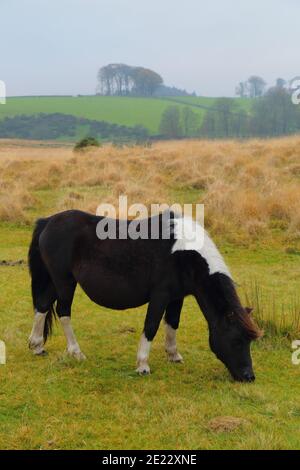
(126, 273)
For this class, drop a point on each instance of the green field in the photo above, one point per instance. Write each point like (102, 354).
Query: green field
(117, 110)
(54, 402)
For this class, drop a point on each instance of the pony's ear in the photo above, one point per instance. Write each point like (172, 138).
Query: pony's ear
(249, 310)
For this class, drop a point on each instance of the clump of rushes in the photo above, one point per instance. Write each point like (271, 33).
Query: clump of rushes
(276, 317)
(86, 143)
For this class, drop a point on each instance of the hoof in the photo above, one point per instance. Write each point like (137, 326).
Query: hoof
(41, 353)
(175, 357)
(37, 347)
(78, 355)
(143, 369)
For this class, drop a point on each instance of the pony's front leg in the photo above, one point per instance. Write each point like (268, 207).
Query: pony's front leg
(73, 348)
(172, 318)
(153, 318)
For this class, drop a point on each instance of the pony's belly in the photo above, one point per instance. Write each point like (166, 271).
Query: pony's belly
(116, 292)
(117, 299)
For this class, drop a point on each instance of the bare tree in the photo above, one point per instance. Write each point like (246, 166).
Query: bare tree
(242, 89)
(256, 86)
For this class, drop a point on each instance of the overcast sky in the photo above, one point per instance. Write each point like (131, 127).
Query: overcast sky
(57, 46)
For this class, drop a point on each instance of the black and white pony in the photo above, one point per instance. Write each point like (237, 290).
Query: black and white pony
(126, 273)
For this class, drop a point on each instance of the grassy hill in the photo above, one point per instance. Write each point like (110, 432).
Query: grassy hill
(127, 111)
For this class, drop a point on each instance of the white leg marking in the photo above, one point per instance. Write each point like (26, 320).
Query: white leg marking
(72, 346)
(171, 346)
(143, 356)
(36, 338)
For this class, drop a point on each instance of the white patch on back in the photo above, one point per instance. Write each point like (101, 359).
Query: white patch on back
(191, 236)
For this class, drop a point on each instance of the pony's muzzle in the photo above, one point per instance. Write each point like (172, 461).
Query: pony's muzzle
(248, 377)
(245, 376)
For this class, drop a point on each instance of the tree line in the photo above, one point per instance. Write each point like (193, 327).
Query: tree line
(124, 80)
(256, 86)
(270, 115)
(68, 127)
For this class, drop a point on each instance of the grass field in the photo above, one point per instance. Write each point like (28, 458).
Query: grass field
(126, 111)
(53, 402)
(242, 103)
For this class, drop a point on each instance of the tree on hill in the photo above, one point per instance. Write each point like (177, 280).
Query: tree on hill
(256, 86)
(179, 122)
(122, 80)
(145, 81)
(275, 114)
(252, 88)
(280, 83)
(242, 89)
(190, 122)
(170, 125)
(225, 120)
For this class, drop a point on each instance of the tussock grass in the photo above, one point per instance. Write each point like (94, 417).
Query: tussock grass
(250, 189)
(277, 317)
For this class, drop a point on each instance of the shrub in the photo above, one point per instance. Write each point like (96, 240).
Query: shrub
(87, 142)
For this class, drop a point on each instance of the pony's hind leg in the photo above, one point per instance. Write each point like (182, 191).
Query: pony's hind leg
(66, 291)
(154, 315)
(36, 338)
(172, 317)
(43, 300)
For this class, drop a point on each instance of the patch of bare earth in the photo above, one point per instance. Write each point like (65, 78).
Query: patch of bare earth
(226, 423)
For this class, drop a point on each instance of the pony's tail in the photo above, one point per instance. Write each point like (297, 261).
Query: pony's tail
(42, 288)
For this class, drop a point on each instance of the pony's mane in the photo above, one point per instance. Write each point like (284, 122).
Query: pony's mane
(235, 311)
(250, 328)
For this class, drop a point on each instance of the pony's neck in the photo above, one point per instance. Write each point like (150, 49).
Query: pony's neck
(217, 297)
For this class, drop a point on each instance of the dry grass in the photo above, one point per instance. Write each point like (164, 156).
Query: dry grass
(226, 423)
(250, 189)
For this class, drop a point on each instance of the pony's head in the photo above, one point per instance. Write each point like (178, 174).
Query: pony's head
(206, 276)
(230, 337)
